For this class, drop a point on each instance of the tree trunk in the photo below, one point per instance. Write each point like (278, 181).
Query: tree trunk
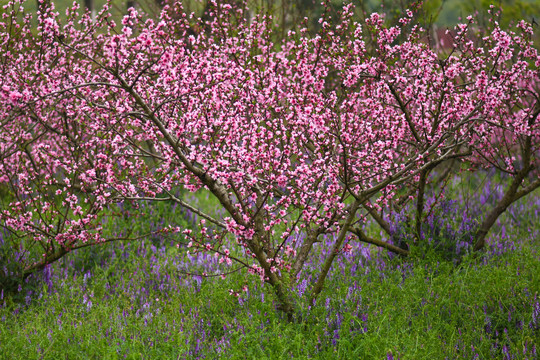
(353, 208)
(512, 193)
(511, 196)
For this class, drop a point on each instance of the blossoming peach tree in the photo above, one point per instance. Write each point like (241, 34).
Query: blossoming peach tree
(311, 134)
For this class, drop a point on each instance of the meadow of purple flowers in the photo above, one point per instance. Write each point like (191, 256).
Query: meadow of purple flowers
(136, 300)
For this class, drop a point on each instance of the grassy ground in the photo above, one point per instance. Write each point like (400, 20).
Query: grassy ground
(136, 307)
(134, 301)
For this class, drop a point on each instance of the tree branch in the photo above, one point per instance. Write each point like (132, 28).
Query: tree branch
(364, 238)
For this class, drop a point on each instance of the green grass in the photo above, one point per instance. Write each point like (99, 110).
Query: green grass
(435, 311)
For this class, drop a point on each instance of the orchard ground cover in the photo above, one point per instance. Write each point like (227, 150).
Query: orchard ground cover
(135, 300)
